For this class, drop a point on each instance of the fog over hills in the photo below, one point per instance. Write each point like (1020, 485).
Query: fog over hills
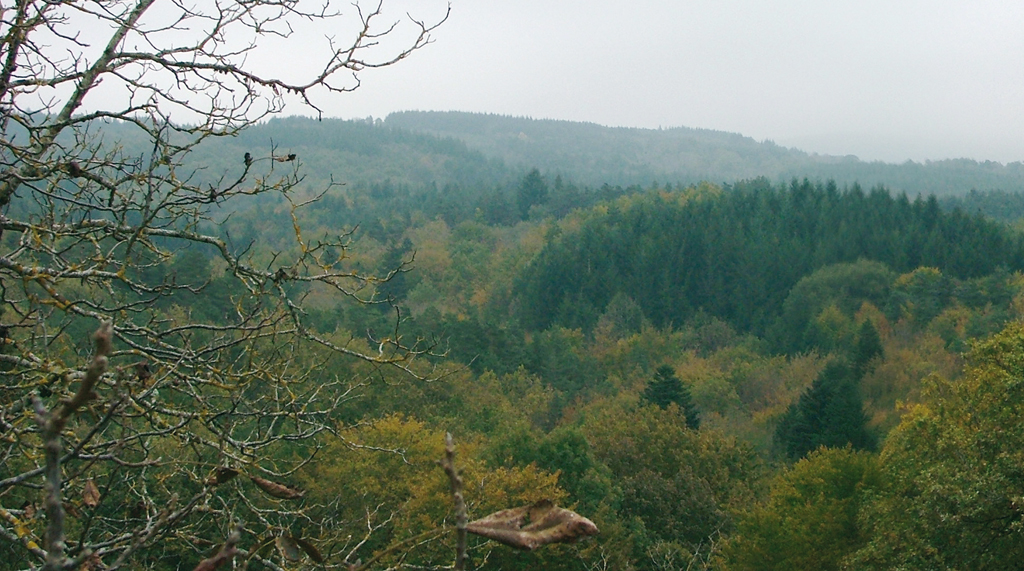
(478, 151)
(593, 154)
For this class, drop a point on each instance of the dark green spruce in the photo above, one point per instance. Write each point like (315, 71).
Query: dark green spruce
(830, 413)
(666, 388)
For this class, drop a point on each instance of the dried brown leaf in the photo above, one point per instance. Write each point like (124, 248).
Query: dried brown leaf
(277, 490)
(310, 549)
(530, 527)
(288, 548)
(227, 553)
(91, 494)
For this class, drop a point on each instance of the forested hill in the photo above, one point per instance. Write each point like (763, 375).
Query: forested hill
(354, 152)
(593, 154)
(737, 254)
(466, 153)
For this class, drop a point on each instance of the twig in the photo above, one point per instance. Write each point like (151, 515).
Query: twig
(399, 545)
(460, 503)
(52, 423)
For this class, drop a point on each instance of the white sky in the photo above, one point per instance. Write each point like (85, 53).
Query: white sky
(881, 79)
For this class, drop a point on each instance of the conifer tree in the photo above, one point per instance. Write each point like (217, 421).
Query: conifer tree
(532, 190)
(868, 347)
(666, 388)
(830, 413)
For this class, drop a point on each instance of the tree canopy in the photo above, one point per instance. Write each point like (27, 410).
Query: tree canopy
(952, 470)
(736, 253)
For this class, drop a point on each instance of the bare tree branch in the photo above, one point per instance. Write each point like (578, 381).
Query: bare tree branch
(102, 198)
(51, 424)
(460, 503)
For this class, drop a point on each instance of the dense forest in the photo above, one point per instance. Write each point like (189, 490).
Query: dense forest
(738, 376)
(753, 374)
(452, 341)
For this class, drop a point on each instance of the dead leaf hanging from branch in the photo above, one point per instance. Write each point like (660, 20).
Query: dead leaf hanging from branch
(288, 548)
(310, 549)
(530, 527)
(276, 490)
(91, 494)
(226, 553)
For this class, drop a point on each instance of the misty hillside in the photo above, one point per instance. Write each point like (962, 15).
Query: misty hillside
(593, 154)
(358, 151)
(478, 154)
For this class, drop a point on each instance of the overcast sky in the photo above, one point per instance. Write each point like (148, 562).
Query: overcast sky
(890, 80)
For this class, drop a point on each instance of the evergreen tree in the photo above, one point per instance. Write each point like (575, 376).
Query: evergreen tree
(738, 252)
(830, 413)
(532, 190)
(868, 347)
(666, 388)
(397, 260)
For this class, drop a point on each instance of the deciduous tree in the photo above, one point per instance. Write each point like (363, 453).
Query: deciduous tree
(810, 518)
(953, 490)
(187, 426)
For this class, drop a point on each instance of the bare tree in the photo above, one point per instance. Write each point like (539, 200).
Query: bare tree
(183, 428)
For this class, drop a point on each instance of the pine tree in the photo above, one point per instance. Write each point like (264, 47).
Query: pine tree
(666, 388)
(830, 413)
(532, 190)
(868, 347)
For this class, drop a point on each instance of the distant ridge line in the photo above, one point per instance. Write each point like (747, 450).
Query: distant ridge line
(595, 154)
